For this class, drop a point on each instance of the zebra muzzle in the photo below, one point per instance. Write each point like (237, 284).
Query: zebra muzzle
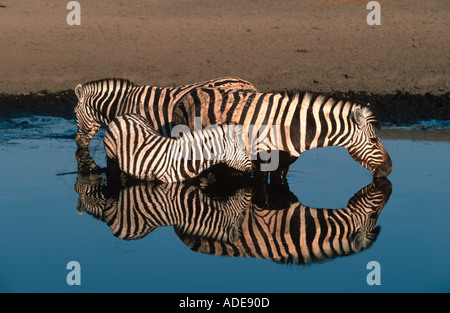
(82, 141)
(384, 169)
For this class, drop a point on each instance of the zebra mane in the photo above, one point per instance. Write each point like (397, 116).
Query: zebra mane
(121, 80)
(292, 93)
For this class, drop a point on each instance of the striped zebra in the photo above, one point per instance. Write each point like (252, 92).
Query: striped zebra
(302, 121)
(142, 153)
(140, 208)
(99, 102)
(302, 235)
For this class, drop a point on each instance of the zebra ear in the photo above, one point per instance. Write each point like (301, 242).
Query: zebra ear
(79, 91)
(358, 116)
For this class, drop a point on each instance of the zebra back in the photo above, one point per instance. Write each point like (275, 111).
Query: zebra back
(101, 101)
(157, 103)
(302, 235)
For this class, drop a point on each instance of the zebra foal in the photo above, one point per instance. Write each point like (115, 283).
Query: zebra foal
(144, 154)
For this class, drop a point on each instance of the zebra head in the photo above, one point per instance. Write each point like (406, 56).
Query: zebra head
(235, 154)
(366, 206)
(86, 123)
(365, 146)
(98, 103)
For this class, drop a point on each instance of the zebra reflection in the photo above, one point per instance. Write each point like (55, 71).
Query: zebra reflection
(234, 222)
(302, 235)
(137, 209)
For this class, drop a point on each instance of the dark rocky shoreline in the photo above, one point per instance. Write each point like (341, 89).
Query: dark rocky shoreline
(398, 109)
(60, 104)
(405, 108)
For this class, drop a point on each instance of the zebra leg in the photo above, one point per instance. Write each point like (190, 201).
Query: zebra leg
(261, 189)
(278, 177)
(113, 176)
(261, 177)
(85, 162)
(281, 197)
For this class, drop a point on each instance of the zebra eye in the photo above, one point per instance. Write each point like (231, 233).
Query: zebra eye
(373, 140)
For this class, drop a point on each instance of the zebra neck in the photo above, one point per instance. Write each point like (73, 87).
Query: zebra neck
(109, 105)
(321, 122)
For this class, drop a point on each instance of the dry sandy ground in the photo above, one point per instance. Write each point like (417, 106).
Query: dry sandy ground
(313, 45)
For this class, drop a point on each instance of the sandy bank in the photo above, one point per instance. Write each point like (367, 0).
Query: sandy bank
(315, 45)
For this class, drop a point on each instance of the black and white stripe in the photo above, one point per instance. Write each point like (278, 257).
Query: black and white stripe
(140, 208)
(302, 121)
(101, 101)
(93, 192)
(302, 235)
(142, 153)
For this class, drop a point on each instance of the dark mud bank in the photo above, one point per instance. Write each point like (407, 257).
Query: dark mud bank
(60, 104)
(399, 108)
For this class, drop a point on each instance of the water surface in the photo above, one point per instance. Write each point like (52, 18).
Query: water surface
(42, 230)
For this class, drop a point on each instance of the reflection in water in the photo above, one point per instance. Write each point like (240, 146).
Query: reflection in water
(212, 220)
(86, 163)
(301, 235)
(137, 209)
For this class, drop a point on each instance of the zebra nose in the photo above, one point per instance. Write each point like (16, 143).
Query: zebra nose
(383, 184)
(384, 169)
(81, 141)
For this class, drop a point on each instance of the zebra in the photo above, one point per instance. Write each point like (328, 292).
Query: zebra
(138, 209)
(297, 234)
(99, 102)
(302, 121)
(142, 153)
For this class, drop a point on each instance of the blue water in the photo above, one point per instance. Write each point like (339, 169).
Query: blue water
(41, 230)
